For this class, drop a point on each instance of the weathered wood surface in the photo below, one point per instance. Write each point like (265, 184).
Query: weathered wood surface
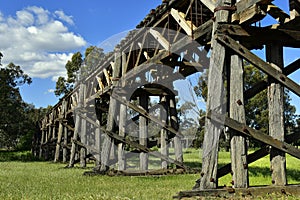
(241, 193)
(238, 143)
(255, 37)
(163, 133)
(77, 125)
(143, 131)
(274, 54)
(215, 100)
(258, 62)
(249, 132)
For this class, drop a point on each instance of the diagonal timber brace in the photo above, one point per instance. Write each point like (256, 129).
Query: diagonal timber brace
(259, 63)
(249, 132)
(145, 114)
(160, 38)
(262, 85)
(187, 26)
(134, 144)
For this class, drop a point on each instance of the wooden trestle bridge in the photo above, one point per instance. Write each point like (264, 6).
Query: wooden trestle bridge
(92, 120)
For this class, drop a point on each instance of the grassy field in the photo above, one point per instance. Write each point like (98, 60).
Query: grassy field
(22, 177)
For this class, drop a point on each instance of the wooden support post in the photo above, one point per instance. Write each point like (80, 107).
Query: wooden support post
(122, 129)
(83, 139)
(77, 125)
(143, 132)
(123, 119)
(83, 129)
(60, 131)
(163, 133)
(98, 143)
(65, 150)
(111, 118)
(44, 132)
(274, 55)
(239, 163)
(175, 125)
(215, 101)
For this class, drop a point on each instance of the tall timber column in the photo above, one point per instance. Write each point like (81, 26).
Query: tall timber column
(122, 120)
(77, 125)
(215, 102)
(60, 131)
(163, 132)
(44, 135)
(175, 125)
(239, 164)
(98, 143)
(83, 131)
(143, 132)
(65, 150)
(113, 109)
(274, 55)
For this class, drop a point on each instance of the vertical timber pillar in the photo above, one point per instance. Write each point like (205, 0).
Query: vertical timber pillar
(163, 133)
(44, 132)
(274, 55)
(77, 126)
(65, 150)
(239, 164)
(122, 120)
(60, 132)
(83, 132)
(113, 109)
(175, 125)
(215, 102)
(98, 143)
(143, 132)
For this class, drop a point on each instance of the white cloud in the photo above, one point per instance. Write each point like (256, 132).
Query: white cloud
(38, 41)
(64, 17)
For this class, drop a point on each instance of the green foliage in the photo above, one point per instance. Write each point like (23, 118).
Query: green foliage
(78, 68)
(13, 118)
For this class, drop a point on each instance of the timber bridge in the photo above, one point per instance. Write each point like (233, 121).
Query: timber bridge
(93, 118)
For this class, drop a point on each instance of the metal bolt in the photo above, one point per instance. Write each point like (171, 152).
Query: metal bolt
(239, 102)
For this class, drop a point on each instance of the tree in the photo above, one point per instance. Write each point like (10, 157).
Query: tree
(12, 107)
(78, 68)
(64, 86)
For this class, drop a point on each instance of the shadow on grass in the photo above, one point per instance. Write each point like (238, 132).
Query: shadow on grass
(265, 172)
(22, 156)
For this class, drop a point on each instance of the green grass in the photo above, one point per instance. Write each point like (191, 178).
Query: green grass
(44, 180)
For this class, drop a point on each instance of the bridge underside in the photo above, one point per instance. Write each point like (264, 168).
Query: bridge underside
(174, 41)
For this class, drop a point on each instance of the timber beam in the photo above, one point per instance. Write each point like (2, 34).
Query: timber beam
(256, 37)
(256, 134)
(262, 152)
(228, 192)
(259, 63)
(262, 85)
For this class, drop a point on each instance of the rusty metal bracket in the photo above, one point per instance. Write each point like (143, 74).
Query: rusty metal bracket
(229, 8)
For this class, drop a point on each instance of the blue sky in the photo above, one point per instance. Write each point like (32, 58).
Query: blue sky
(41, 35)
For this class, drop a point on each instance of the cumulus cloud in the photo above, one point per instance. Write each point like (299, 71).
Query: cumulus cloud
(39, 41)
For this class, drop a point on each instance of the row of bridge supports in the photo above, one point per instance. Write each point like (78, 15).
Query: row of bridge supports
(107, 117)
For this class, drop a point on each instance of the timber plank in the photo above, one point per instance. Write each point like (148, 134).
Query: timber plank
(256, 61)
(258, 135)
